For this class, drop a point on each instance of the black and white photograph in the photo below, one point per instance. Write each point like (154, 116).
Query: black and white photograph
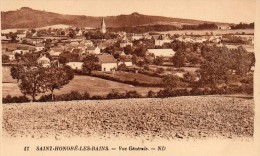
(130, 77)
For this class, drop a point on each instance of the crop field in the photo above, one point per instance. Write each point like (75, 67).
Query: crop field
(169, 118)
(203, 32)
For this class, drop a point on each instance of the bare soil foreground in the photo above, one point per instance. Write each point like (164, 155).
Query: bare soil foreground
(169, 118)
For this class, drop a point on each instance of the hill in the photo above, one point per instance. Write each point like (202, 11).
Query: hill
(30, 18)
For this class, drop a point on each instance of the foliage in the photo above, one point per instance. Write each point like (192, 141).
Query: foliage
(33, 81)
(14, 99)
(5, 58)
(90, 62)
(170, 81)
(17, 72)
(158, 61)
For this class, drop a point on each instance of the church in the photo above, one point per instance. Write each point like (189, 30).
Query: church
(103, 27)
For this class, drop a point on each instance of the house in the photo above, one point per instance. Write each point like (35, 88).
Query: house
(107, 62)
(21, 51)
(55, 52)
(44, 61)
(224, 27)
(126, 60)
(75, 65)
(93, 50)
(159, 40)
(161, 52)
(80, 52)
(10, 55)
(137, 36)
(79, 33)
(39, 47)
(4, 38)
(125, 43)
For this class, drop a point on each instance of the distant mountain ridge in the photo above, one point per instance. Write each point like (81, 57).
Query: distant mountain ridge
(30, 18)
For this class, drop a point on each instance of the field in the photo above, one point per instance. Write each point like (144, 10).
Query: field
(203, 32)
(170, 118)
(93, 85)
(128, 76)
(14, 46)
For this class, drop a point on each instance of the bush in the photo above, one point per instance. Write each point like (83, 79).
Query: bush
(133, 94)
(86, 96)
(97, 97)
(15, 99)
(151, 94)
(115, 95)
(45, 98)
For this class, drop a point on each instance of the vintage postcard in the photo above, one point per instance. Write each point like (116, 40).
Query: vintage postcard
(130, 77)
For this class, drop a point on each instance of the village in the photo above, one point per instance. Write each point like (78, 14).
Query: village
(139, 60)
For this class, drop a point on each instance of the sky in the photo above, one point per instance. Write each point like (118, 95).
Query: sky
(231, 11)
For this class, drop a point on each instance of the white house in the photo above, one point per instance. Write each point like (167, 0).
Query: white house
(161, 52)
(75, 65)
(44, 61)
(108, 63)
(137, 36)
(161, 39)
(39, 47)
(93, 50)
(10, 55)
(125, 43)
(126, 60)
(20, 51)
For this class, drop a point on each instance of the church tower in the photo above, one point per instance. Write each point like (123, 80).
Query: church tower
(103, 27)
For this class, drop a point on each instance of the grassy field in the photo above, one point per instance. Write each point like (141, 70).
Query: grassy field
(169, 118)
(129, 76)
(95, 86)
(203, 32)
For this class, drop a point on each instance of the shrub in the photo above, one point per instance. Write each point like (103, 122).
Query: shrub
(45, 98)
(151, 94)
(15, 99)
(133, 94)
(159, 70)
(97, 97)
(115, 95)
(86, 96)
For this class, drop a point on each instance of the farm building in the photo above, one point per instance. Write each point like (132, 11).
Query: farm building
(107, 62)
(161, 52)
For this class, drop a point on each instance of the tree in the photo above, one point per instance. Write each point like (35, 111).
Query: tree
(13, 36)
(63, 60)
(56, 78)
(17, 72)
(5, 58)
(170, 81)
(158, 61)
(72, 33)
(90, 62)
(69, 71)
(178, 59)
(128, 50)
(33, 81)
(217, 66)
